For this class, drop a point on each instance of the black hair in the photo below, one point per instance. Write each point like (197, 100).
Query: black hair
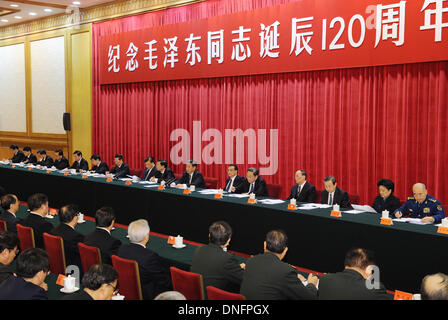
(234, 166)
(386, 183)
(41, 151)
(330, 178)
(359, 258)
(97, 275)
(8, 240)
(36, 201)
(28, 149)
(104, 217)
(119, 156)
(220, 232)
(276, 241)
(254, 171)
(78, 153)
(68, 212)
(32, 261)
(59, 152)
(163, 163)
(193, 163)
(150, 159)
(95, 157)
(13, 147)
(7, 200)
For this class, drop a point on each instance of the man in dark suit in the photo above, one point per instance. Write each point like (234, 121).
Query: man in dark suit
(333, 195)
(99, 283)
(268, 278)
(38, 206)
(352, 283)
(302, 191)
(191, 176)
(32, 267)
(234, 180)
(17, 154)
(80, 163)
(154, 271)
(101, 237)
(61, 162)
(150, 169)
(44, 160)
(218, 268)
(10, 205)
(252, 184)
(98, 166)
(9, 247)
(30, 158)
(68, 216)
(121, 169)
(163, 173)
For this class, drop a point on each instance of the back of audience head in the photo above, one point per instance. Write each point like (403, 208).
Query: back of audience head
(10, 202)
(9, 247)
(100, 281)
(435, 287)
(68, 213)
(170, 295)
(138, 231)
(360, 259)
(277, 243)
(38, 201)
(104, 217)
(220, 233)
(33, 264)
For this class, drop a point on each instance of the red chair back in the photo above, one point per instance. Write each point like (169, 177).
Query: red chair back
(128, 278)
(54, 246)
(211, 183)
(26, 237)
(190, 284)
(136, 172)
(89, 256)
(3, 226)
(218, 294)
(354, 198)
(318, 196)
(274, 190)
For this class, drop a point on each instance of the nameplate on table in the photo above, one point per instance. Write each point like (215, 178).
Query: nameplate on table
(187, 191)
(29, 168)
(108, 180)
(84, 176)
(386, 221)
(292, 206)
(161, 187)
(48, 171)
(128, 183)
(171, 240)
(66, 173)
(218, 196)
(13, 166)
(336, 214)
(60, 280)
(401, 295)
(252, 201)
(443, 230)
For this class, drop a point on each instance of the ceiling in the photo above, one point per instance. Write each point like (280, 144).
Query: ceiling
(13, 12)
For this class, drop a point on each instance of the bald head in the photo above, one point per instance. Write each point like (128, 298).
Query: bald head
(420, 192)
(435, 287)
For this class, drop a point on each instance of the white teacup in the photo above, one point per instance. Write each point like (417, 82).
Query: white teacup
(162, 183)
(192, 188)
(178, 241)
(252, 195)
(73, 171)
(293, 201)
(445, 222)
(385, 214)
(69, 283)
(118, 297)
(80, 217)
(336, 208)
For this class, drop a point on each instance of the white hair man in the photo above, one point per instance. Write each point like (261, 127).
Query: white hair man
(154, 272)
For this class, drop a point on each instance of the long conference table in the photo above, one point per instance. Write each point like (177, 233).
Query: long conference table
(404, 252)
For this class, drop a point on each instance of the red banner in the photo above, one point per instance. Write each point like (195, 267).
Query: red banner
(299, 36)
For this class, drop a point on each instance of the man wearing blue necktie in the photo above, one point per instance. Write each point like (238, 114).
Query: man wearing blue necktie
(253, 184)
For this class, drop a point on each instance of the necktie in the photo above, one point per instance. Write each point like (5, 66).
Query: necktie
(191, 176)
(228, 185)
(298, 190)
(146, 178)
(331, 200)
(251, 189)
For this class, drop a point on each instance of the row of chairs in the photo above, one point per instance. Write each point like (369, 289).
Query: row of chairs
(188, 283)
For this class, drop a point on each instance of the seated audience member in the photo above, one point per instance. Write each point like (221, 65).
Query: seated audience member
(163, 173)
(68, 216)
(218, 268)
(99, 283)
(154, 272)
(253, 184)
(302, 191)
(422, 206)
(38, 206)
(333, 195)
(17, 154)
(9, 248)
(61, 162)
(435, 287)
(191, 176)
(80, 164)
(32, 267)
(234, 180)
(121, 169)
(150, 169)
(98, 166)
(268, 278)
(30, 158)
(10, 205)
(44, 160)
(101, 237)
(170, 295)
(351, 284)
(386, 200)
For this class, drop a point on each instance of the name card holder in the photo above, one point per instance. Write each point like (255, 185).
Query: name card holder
(48, 171)
(401, 295)
(443, 230)
(171, 240)
(187, 191)
(66, 173)
(336, 214)
(13, 166)
(292, 206)
(161, 188)
(128, 183)
(60, 280)
(386, 221)
(29, 168)
(84, 176)
(108, 180)
(252, 201)
(218, 196)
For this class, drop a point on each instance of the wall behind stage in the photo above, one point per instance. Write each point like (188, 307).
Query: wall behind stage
(359, 125)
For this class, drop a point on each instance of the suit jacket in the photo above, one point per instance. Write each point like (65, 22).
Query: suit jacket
(61, 164)
(236, 182)
(15, 288)
(121, 172)
(47, 162)
(101, 168)
(217, 267)
(391, 204)
(31, 159)
(268, 278)
(10, 220)
(79, 295)
(148, 174)
(167, 175)
(260, 188)
(197, 180)
(154, 272)
(18, 157)
(340, 197)
(307, 194)
(5, 272)
(71, 239)
(81, 165)
(348, 285)
(39, 225)
(107, 244)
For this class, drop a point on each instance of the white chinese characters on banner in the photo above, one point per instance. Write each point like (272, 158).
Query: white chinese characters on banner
(132, 63)
(192, 50)
(239, 51)
(215, 46)
(170, 52)
(301, 40)
(269, 40)
(435, 15)
(150, 57)
(114, 55)
(390, 23)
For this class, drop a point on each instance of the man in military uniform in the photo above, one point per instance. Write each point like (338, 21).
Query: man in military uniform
(422, 206)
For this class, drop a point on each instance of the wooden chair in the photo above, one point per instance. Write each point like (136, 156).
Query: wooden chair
(54, 245)
(128, 278)
(89, 256)
(214, 293)
(274, 190)
(190, 284)
(26, 237)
